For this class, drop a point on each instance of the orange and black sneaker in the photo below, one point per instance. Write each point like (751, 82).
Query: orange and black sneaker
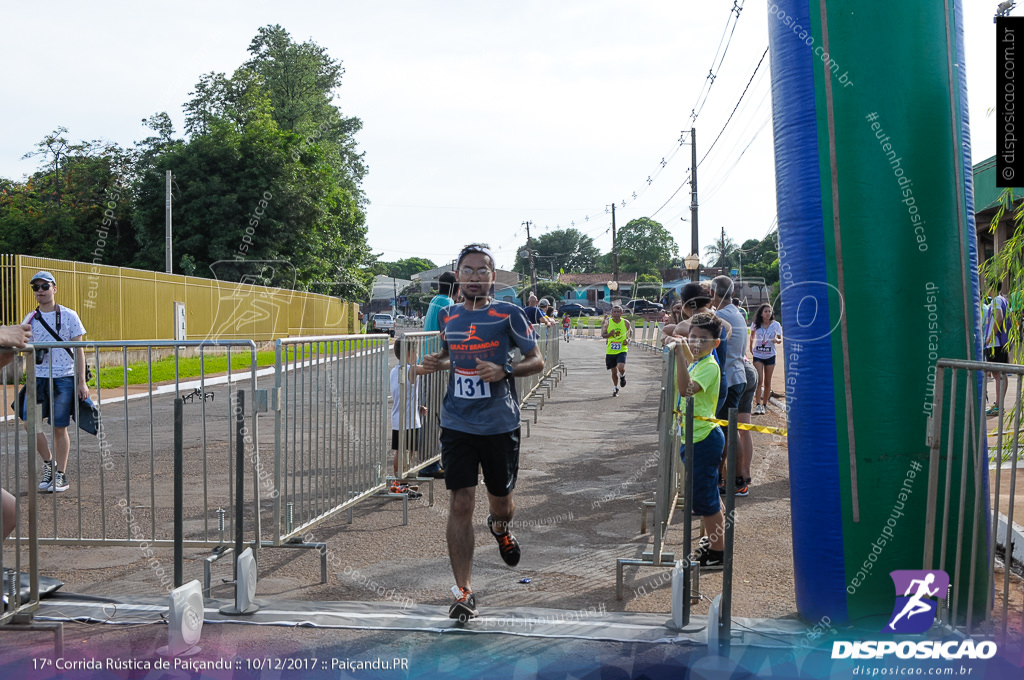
(508, 546)
(741, 487)
(464, 607)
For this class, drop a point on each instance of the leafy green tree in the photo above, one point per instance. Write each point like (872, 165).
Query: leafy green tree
(404, 269)
(77, 206)
(567, 250)
(270, 171)
(645, 247)
(648, 287)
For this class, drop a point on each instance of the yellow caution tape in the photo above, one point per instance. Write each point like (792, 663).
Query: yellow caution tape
(781, 431)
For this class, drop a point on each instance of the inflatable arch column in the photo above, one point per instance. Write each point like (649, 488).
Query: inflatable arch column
(878, 277)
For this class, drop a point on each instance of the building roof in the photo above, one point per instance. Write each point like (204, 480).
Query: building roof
(986, 193)
(595, 279)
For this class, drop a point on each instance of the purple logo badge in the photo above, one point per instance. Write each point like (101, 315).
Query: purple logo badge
(915, 607)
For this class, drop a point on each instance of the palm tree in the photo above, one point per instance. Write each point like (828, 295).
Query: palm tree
(722, 252)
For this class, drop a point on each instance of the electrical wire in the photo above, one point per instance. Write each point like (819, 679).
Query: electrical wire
(735, 107)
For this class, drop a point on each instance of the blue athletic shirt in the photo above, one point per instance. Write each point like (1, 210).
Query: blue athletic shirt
(490, 334)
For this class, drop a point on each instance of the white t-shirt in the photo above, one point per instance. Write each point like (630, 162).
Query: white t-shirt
(764, 340)
(412, 395)
(70, 327)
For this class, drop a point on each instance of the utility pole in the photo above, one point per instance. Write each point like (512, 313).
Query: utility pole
(615, 255)
(529, 254)
(169, 268)
(694, 246)
(721, 253)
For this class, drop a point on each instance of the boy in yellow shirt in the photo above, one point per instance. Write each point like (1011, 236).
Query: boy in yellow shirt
(697, 375)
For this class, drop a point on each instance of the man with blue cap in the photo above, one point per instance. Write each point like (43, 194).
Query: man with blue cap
(64, 368)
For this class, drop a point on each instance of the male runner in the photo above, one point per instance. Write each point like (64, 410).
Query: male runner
(618, 332)
(480, 414)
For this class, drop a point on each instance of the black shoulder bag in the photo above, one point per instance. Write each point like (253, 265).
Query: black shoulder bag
(56, 336)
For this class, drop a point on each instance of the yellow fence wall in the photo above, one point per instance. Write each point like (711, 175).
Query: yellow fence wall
(117, 303)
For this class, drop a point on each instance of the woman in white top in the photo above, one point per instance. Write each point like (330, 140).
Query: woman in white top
(765, 333)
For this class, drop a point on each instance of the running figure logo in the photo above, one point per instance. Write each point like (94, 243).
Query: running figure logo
(472, 334)
(915, 609)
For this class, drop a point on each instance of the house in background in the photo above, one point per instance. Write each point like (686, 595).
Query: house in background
(986, 205)
(594, 289)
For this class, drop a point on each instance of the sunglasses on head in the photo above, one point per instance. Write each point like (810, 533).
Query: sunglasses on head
(40, 286)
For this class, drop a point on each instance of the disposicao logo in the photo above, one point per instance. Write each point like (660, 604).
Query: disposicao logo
(915, 609)
(914, 612)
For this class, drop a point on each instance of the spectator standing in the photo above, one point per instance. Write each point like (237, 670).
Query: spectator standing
(52, 323)
(996, 344)
(735, 350)
(446, 285)
(445, 288)
(765, 333)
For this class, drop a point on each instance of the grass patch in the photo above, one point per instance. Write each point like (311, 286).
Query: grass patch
(141, 373)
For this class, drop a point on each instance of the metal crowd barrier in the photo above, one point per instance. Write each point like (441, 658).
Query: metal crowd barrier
(648, 335)
(331, 429)
(672, 486)
(22, 545)
(972, 535)
(430, 389)
(121, 480)
(534, 389)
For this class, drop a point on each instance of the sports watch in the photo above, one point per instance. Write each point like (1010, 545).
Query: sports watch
(509, 369)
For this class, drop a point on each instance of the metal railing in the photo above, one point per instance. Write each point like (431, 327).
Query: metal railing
(17, 611)
(430, 390)
(960, 493)
(331, 428)
(120, 482)
(673, 485)
(17, 477)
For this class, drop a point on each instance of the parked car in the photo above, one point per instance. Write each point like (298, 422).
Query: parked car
(382, 323)
(643, 307)
(576, 309)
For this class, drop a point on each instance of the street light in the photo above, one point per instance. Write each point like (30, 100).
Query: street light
(692, 262)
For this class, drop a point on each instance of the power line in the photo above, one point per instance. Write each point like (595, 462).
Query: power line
(737, 105)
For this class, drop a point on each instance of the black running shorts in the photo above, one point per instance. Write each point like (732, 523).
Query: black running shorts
(464, 454)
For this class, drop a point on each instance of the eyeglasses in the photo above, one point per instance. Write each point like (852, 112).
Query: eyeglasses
(40, 286)
(482, 272)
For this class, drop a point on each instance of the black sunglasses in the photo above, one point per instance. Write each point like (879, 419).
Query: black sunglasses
(40, 286)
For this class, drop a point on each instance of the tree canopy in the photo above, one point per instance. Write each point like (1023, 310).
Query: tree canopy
(269, 170)
(645, 247)
(566, 250)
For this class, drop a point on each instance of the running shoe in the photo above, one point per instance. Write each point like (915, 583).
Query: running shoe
(992, 410)
(741, 487)
(712, 559)
(464, 607)
(47, 479)
(508, 546)
(615, 393)
(622, 381)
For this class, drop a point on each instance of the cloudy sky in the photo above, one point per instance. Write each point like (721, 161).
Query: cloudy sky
(478, 115)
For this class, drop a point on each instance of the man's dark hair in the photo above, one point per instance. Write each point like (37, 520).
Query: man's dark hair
(694, 295)
(708, 321)
(446, 283)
